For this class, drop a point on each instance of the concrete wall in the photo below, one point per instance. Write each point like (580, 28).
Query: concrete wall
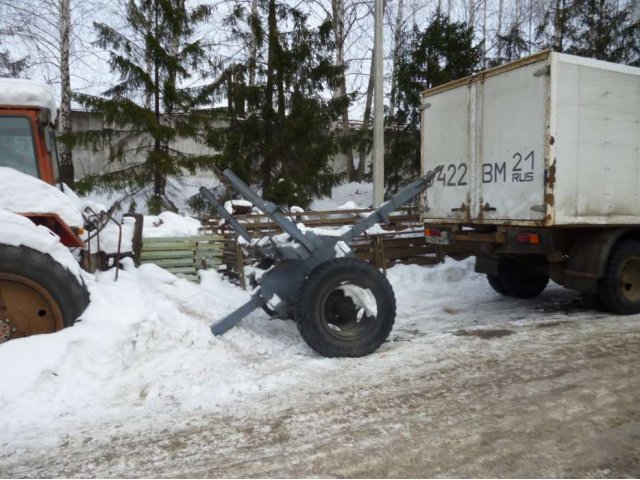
(88, 160)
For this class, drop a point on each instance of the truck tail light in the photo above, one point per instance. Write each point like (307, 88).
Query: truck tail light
(530, 238)
(432, 232)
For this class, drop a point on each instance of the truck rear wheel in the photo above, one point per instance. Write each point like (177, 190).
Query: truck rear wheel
(345, 308)
(517, 279)
(496, 284)
(37, 294)
(619, 288)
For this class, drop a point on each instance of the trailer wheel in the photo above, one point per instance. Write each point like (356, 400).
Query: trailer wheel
(516, 279)
(345, 308)
(37, 294)
(619, 288)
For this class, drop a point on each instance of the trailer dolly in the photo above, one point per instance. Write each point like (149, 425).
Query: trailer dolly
(343, 306)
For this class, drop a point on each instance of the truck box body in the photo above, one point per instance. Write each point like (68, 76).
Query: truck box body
(550, 140)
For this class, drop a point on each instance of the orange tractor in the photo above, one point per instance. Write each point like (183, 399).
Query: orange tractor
(38, 294)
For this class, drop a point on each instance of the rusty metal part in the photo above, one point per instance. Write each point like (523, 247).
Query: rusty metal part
(68, 237)
(630, 279)
(5, 330)
(497, 237)
(98, 221)
(28, 309)
(538, 57)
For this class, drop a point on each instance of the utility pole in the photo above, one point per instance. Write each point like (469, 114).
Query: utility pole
(378, 119)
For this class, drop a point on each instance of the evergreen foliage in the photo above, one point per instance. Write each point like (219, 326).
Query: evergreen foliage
(10, 67)
(510, 46)
(592, 28)
(149, 109)
(280, 113)
(442, 52)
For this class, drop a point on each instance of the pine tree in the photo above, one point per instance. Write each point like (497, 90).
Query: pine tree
(10, 67)
(592, 28)
(605, 33)
(555, 28)
(510, 46)
(148, 110)
(278, 134)
(442, 52)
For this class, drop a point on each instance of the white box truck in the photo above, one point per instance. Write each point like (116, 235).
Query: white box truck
(541, 175)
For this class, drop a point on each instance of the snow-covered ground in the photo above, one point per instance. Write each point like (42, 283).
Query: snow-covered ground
(142, 362)
(144, 347)
(142, 359)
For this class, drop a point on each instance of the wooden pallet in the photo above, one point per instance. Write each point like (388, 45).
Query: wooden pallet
(184, 256)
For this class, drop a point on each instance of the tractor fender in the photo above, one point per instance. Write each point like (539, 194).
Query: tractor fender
(68, 236)
(19, 231)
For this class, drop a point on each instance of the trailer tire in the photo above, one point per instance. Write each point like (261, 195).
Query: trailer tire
(43, 295)
(331, 322)
(517, 279)
(619, 288)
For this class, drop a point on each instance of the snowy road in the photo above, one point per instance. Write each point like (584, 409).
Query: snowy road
(546, 388)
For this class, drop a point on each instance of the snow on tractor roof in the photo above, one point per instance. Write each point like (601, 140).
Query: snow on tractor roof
(27, 93)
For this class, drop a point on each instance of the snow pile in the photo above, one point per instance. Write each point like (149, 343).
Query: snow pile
(179, 190)
(425, 291)
(144, 347)
(112, 235)
(21, 92)
(23, 193)
(347, 196)
(169, 224)
(83, 204)
(241, 206)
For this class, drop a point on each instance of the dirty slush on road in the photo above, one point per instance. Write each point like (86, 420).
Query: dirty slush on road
(556, 397)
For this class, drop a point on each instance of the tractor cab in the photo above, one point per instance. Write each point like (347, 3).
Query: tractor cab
(28, 144)
(27, 136)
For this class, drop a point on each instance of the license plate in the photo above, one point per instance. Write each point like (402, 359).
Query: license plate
(443, 239)
(437, 240)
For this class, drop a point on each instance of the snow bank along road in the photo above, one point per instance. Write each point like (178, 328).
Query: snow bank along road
(470, 384)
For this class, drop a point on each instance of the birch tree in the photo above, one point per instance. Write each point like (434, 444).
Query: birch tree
(397, 50)
(340, 92)
(53, 34)
(66, 160)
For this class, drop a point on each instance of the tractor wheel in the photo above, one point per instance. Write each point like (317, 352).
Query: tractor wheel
(345, 308)
(37, 294)
(619, 288)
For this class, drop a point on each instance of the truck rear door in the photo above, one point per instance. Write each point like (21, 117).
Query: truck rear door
(489, 132)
